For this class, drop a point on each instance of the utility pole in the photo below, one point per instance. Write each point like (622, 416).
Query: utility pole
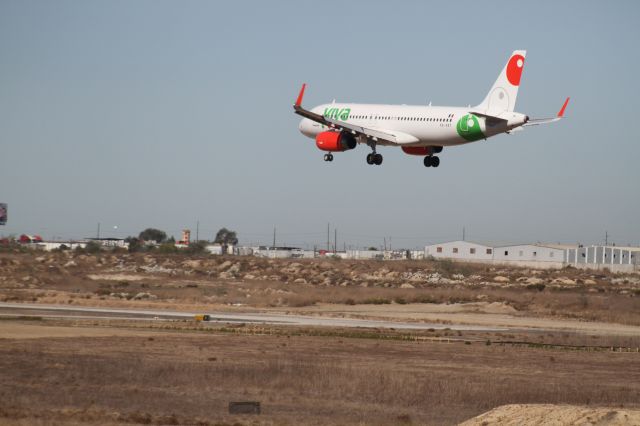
(385, 243)
(606, 238)
(328, 238)
(274, 237)
(197, 231)
(98, 237)
(463, 232)
(335, 240)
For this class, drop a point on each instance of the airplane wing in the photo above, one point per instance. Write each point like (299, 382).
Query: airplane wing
(380, 136)
(392, 136)
(558, 117)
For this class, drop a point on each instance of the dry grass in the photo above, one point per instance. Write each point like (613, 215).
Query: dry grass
(298, 379)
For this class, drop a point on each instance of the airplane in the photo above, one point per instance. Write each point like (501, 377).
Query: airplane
(419, 130)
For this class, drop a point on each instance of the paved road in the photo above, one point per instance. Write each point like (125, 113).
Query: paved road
(55, 311)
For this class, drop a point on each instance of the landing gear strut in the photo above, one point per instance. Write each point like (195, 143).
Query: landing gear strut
(374, 157)
(431, 161)
(328, 157)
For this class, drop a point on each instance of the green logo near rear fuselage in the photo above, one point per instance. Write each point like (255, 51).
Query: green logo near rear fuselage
(337, 113)
(468, 127)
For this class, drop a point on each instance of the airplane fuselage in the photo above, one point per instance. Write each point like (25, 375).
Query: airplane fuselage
(424, 125)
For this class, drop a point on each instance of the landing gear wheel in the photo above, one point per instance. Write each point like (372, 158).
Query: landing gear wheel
(370, 158)
(435, 161)
(427, 161)
(328, 157)
(377, 159)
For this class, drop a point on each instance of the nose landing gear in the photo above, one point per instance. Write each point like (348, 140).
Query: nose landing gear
(328, 157)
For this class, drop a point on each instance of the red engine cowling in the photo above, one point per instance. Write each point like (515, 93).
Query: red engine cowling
(421, 150)
(335, 141)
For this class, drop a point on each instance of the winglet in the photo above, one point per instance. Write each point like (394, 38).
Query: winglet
(564, 106)
(301, 95)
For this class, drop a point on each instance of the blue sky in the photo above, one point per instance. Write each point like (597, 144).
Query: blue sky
(164, 113)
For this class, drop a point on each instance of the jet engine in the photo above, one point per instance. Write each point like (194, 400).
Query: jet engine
(335, 141)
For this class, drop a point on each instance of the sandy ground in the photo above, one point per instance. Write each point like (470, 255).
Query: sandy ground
(483, 314)
(560, 415)
(14, 330)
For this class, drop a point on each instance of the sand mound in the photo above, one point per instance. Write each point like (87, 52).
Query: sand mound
(559, 415)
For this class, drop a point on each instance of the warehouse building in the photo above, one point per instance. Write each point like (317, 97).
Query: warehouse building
(460, 250)
(617, 259)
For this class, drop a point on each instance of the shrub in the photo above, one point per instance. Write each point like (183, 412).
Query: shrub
(167, 248)
(377, 301)
(93, 247)
(538, 287)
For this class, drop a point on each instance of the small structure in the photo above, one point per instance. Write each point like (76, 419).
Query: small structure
(29, 239)
(615, 258)
(110, 242)
(244, 407)
(186, 238)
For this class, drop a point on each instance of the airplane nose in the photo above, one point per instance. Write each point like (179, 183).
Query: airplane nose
(305, 127)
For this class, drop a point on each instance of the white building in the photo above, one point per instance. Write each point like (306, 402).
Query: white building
(53, 245)
(460, 250)
(605, 256)
(524, 254)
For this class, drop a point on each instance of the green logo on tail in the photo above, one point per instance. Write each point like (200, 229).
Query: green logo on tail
(468, 127)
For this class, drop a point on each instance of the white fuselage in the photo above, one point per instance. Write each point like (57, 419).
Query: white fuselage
(423, 125)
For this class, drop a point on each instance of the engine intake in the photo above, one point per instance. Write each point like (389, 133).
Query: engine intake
(335, 141)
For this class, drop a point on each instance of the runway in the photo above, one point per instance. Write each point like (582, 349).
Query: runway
(56, 311)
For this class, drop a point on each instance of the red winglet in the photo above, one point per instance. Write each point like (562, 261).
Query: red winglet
(564, 106)
(301, 95)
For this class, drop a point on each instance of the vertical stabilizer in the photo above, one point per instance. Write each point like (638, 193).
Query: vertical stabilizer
(502, 96)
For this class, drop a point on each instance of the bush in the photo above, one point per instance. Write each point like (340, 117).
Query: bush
(538, 287)
(167, 248)
(377, 301)
(197, 247)
(93, 247)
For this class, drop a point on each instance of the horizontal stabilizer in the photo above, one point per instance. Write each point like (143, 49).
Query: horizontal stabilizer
(558, 117)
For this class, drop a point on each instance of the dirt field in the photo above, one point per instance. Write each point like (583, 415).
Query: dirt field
(93, 375)
(573, 339)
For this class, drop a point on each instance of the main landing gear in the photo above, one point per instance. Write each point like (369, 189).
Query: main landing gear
(328, 157)
(431, 161)
(374, 158)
